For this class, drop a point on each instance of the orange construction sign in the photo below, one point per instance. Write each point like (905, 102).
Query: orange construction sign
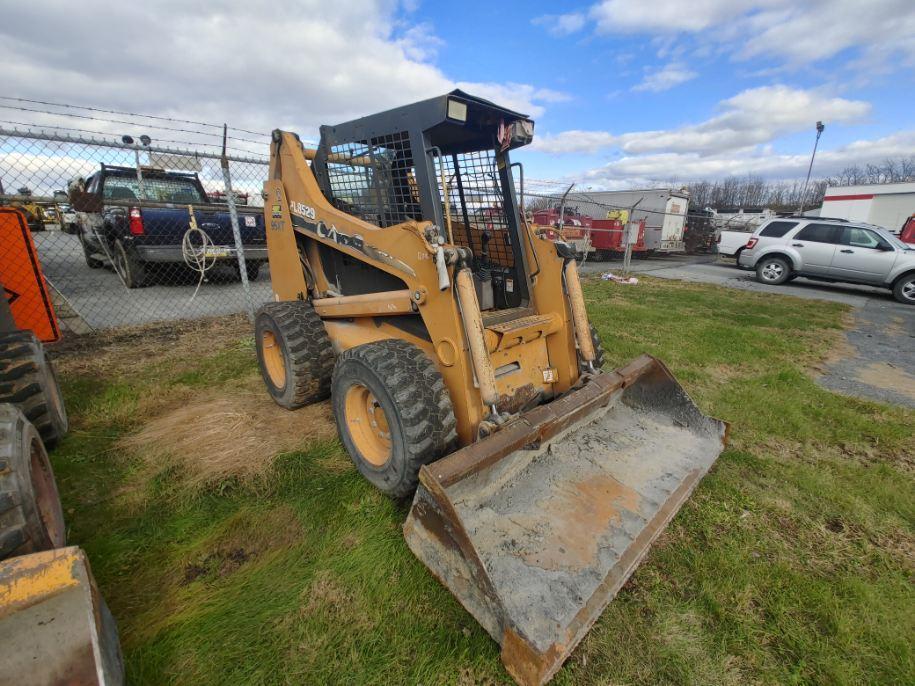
(23, 283)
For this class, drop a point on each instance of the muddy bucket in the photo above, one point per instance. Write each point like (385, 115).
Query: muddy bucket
(55, 627)
(537, 527)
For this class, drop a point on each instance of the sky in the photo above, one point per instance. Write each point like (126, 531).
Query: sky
(625, 93)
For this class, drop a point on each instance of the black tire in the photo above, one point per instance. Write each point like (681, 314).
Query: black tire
(131, 270)
(31, 518)
(91, 262)
(294, 353)
(904, 289)
(737, 256)
(252, 269)
(408, 389)
(773, 270)
(28, 380)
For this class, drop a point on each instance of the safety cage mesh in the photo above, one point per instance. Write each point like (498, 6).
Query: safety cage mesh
(476, 204)
(375, 180)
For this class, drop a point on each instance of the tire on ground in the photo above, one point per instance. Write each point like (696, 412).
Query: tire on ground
(410, 401)
(28, 380)
(904, 289)
(773, 270)
(131, 269)
(91, 262)
(31, 518)
(294, 353)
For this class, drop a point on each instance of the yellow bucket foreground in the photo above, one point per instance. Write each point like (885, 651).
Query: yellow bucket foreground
(55, 628)
(535, 528)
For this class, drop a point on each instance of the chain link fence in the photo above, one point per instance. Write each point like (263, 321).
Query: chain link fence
(130, 233)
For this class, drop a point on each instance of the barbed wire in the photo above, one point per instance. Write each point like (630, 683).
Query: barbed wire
(43, 127)
(128, 123)
(130, 114)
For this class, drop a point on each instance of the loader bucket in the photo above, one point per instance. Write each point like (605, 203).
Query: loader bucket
(54, 626)
(535, 528)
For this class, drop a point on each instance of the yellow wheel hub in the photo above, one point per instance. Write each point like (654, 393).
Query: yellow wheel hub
(367, 425)
(273, 359)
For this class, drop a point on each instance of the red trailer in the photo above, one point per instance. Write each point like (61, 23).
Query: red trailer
(575, 230)
(607, 238)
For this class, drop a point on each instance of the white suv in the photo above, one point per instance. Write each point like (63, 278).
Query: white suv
(831, 250)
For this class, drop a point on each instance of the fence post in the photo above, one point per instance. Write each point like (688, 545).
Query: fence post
(236, 230)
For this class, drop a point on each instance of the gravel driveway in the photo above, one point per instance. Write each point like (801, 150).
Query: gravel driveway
(100, 298)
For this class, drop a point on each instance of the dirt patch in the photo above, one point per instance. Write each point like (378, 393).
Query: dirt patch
(119, 351)
(234, 433)
(888, 377)
(219, 564)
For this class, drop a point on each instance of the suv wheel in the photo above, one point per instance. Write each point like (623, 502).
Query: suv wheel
(904, 290)
(773, 270)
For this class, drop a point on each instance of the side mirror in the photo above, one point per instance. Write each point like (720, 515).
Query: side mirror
(885, 247)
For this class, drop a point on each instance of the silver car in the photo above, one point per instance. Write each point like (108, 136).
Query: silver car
(831, 250)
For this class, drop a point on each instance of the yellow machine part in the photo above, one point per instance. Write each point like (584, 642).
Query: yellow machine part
(55, 628)
(536, 522)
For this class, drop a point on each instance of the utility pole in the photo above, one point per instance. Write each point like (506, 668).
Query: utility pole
(820, 127)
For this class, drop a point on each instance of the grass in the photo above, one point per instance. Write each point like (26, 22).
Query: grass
(792, 562)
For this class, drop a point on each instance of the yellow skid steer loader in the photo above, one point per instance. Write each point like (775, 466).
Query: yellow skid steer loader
(463, 371)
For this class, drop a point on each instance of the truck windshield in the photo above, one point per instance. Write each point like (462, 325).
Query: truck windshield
(154, 190)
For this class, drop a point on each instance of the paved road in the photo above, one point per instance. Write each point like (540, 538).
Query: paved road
(102, 300)
(712, 269)
(878, 360)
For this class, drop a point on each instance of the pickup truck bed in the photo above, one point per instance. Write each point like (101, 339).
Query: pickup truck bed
(730, 243)
(133, 222)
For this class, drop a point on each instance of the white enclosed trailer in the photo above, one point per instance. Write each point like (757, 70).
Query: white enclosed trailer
(663, 209)
(885, 204)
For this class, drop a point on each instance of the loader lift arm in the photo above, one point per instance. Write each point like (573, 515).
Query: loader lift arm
(402, 274)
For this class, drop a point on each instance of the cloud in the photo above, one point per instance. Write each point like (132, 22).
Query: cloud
(561, 24)
(664, 167)
(581, 142)
(667, 77)
(635, 16)
(515, 96)
(255, 64)
(787, 31)
(752, 117)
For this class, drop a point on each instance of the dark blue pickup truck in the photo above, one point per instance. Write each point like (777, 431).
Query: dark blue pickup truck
(136, 222)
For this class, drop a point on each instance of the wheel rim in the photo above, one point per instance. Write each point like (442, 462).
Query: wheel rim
(46, 497)
(908, 290)
(772, 271)
(367, 425)
(273, 359)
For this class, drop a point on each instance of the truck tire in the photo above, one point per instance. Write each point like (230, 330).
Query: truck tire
(28, 380)
(773, 270)
(252, 269)
(31, 518)
(904, 289)
(393, 413)
(91, 262)
(294, 353)
(128, 267)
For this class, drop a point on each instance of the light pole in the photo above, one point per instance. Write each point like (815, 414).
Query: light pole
(820, 127)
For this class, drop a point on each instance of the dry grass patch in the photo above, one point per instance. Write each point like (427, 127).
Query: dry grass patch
(233, 433)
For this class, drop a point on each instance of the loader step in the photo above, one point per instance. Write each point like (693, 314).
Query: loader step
(511, 333)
